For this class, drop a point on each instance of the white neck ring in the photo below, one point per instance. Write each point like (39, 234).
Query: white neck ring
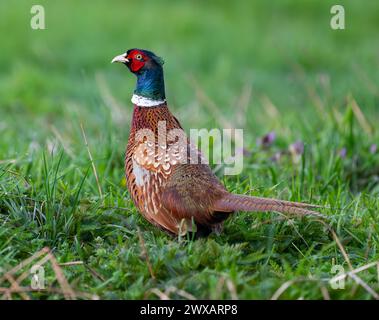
(141, 101)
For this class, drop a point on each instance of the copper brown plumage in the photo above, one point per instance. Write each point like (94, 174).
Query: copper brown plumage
(169, 188)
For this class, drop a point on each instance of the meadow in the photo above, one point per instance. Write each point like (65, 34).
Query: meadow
(260, 66)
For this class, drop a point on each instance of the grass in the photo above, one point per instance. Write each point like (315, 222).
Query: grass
(266, 67)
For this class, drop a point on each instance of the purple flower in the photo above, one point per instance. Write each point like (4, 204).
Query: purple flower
(373, 148)
(297, 148)
(267, 140)
(342, 153)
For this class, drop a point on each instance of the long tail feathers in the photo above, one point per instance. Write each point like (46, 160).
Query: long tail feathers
(235, 202)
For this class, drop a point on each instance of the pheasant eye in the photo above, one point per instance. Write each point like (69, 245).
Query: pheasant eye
(138, 56)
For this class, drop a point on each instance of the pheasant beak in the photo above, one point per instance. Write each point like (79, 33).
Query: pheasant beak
(121, 58)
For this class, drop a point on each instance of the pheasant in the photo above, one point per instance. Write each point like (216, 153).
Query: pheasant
(168, 182)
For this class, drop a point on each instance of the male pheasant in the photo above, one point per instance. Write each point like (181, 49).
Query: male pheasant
(166, 179)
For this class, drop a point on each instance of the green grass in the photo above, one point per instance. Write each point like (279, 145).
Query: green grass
(282, 52)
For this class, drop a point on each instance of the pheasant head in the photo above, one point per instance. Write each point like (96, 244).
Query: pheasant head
(148, 69)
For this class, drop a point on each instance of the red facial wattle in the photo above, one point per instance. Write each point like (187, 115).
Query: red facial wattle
(136, 64)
